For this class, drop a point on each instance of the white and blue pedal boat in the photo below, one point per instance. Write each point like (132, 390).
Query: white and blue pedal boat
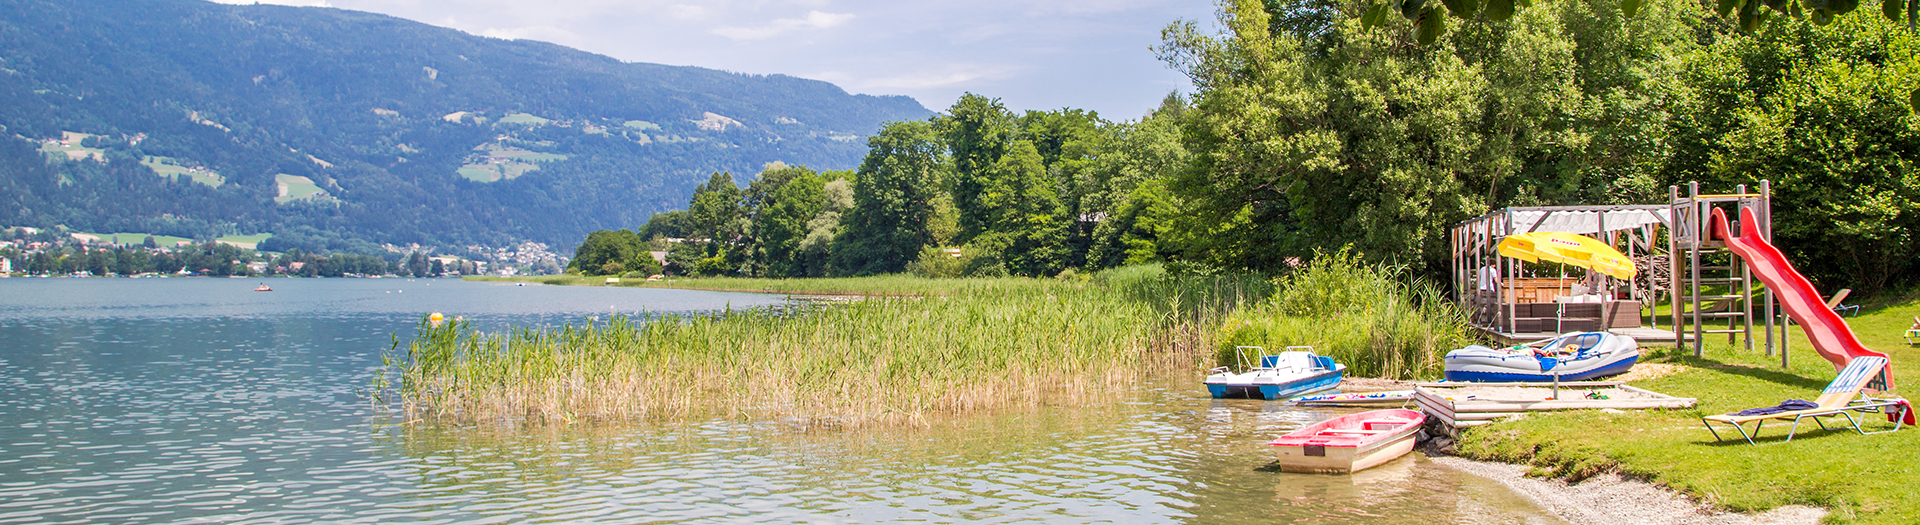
(1290, 373)
(1574, 356)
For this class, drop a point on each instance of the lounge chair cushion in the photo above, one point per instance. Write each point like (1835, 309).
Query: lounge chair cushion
(1784, 406)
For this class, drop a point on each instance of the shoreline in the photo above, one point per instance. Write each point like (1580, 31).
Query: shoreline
(1611, 498)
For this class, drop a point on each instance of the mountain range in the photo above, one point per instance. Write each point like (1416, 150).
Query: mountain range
(342, 130)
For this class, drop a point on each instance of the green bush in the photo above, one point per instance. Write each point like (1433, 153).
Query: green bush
(936, 263)
(1373, 318)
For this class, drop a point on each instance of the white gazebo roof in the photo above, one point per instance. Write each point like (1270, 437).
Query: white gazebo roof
(1583, 221)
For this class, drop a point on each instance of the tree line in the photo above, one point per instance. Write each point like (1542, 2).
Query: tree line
(980, 190)
(56, 256)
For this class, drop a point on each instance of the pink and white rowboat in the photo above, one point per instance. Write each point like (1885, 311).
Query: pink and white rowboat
(1349, 443)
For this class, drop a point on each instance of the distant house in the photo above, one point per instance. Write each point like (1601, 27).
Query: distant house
(257, 267)
(6, 265)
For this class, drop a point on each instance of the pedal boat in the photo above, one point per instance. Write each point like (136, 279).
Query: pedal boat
(1349, 443)
(1291, 373)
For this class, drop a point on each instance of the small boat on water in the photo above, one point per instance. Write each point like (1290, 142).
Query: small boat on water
(1290, 373)
(1349, 443)
(262, 288)
(1575, 356)
(1386, 397)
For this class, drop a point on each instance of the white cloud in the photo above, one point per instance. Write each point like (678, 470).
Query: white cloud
(933, 78)
(814, 20)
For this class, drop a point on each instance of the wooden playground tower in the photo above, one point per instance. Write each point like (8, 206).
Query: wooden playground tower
(1703, 280)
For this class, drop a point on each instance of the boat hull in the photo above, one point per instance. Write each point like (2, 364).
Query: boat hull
(1349, 443)
(1342, 460)
(1231, 386)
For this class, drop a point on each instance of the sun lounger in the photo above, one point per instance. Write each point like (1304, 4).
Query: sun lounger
(1843, 309)
(1837, 400)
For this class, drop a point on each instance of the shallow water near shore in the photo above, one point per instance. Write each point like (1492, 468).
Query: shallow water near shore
(170, 400)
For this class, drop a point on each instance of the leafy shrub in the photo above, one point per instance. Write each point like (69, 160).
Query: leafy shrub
(1375, 319)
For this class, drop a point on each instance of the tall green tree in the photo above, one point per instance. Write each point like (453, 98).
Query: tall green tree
(978, 131)
(893, 197)
(1823, 113)
(716, 215)
(1307, 141)
(1023, 213)
(782, 201)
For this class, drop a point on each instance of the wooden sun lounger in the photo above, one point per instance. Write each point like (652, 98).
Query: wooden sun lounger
(1836, 400)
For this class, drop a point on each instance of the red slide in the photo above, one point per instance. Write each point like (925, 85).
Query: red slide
(1829, 333)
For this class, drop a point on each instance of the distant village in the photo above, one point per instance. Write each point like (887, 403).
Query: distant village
(61, 253)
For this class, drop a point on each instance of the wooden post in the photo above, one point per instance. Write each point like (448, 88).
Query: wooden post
(1674, 224)
(1697, 230)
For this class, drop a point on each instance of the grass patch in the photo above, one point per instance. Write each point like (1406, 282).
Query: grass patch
(480, 172)
(524, 119)
(72, 150)
(163, 241)
(246, 241)
(295, 187)
(965, 345)
(168, 167)
(1862, 479)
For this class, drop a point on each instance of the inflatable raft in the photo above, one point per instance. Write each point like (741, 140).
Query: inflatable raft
(1576, 356)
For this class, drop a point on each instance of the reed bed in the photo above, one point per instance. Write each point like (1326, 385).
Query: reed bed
(1377, 319)
(980, 345)
(892, 285)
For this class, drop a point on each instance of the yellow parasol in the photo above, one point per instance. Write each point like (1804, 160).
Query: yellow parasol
(1574, 249)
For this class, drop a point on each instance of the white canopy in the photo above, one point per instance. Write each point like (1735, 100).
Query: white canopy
(1584, 222)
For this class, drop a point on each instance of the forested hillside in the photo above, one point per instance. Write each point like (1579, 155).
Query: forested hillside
(336, 129)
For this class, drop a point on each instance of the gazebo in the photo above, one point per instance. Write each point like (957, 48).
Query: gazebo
(1515, 301)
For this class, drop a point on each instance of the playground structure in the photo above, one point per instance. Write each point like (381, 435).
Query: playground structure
(1688, 255)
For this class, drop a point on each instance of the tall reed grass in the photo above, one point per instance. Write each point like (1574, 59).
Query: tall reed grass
(1376, 319)
(981, 344)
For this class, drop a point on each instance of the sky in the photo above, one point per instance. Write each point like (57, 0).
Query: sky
(1031, 54)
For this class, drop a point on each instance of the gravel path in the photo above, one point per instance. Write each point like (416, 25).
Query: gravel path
(1610, 499)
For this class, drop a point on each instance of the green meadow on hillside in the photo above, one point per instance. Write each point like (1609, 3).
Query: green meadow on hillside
(168, 167)
(295, 187)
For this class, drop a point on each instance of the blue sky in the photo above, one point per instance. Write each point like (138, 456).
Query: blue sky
(1032, 54)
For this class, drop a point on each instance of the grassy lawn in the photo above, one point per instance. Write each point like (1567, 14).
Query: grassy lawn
(295, 187)
(1863, 479)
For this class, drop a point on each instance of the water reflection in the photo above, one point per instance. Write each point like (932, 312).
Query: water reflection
(167, 412)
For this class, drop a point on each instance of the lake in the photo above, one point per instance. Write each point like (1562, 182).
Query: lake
(200, 400)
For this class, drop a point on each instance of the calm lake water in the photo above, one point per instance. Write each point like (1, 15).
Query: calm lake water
(199, 400)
